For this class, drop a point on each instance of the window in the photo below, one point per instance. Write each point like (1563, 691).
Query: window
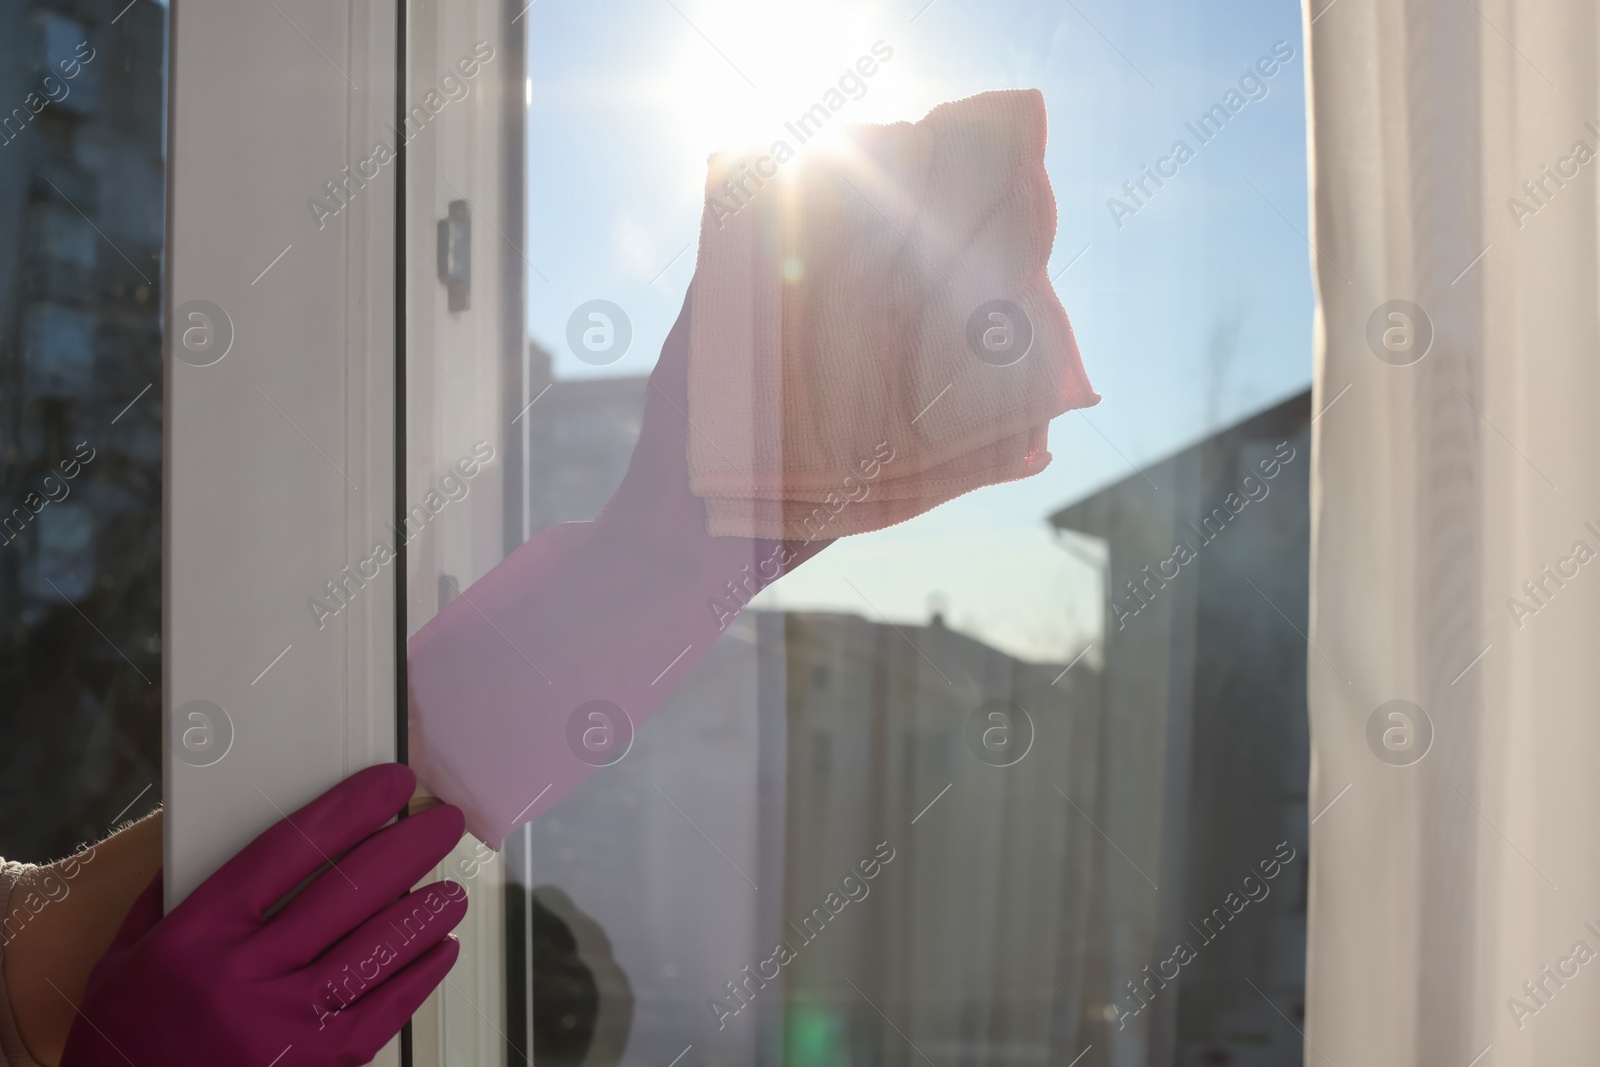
(955, 789)
(82, 160)
(1026, 709)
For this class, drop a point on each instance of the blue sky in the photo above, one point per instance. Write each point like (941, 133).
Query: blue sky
(629, 98)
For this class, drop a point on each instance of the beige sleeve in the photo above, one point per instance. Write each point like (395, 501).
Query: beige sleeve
(12, 1051)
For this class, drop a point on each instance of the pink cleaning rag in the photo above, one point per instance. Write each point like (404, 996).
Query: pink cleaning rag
(874, 329)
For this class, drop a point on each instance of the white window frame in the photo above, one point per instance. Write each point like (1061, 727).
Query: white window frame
(281, 457)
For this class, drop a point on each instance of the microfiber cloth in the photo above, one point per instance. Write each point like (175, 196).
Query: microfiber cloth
(874, 330)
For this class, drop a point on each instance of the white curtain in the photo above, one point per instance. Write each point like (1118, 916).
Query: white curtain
(1440, 488)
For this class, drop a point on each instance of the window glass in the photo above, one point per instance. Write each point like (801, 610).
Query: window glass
(1019, 779)
(82, 162)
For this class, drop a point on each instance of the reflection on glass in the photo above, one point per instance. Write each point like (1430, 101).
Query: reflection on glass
(82, 162)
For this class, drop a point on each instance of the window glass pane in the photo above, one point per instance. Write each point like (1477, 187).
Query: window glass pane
(82, 162)
(1052, 716)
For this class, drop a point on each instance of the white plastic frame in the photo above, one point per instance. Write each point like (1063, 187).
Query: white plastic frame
(282, 451)
(280, 454)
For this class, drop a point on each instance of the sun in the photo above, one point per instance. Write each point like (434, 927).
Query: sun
(739, 70)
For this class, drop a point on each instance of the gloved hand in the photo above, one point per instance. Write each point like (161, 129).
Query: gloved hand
(618, 611)
(326, 980)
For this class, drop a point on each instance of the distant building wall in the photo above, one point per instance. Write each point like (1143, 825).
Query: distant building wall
(581, 435)
(1206, 749)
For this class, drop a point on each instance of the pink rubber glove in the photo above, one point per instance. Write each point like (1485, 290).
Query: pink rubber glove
(329, 979)
(618, 611)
